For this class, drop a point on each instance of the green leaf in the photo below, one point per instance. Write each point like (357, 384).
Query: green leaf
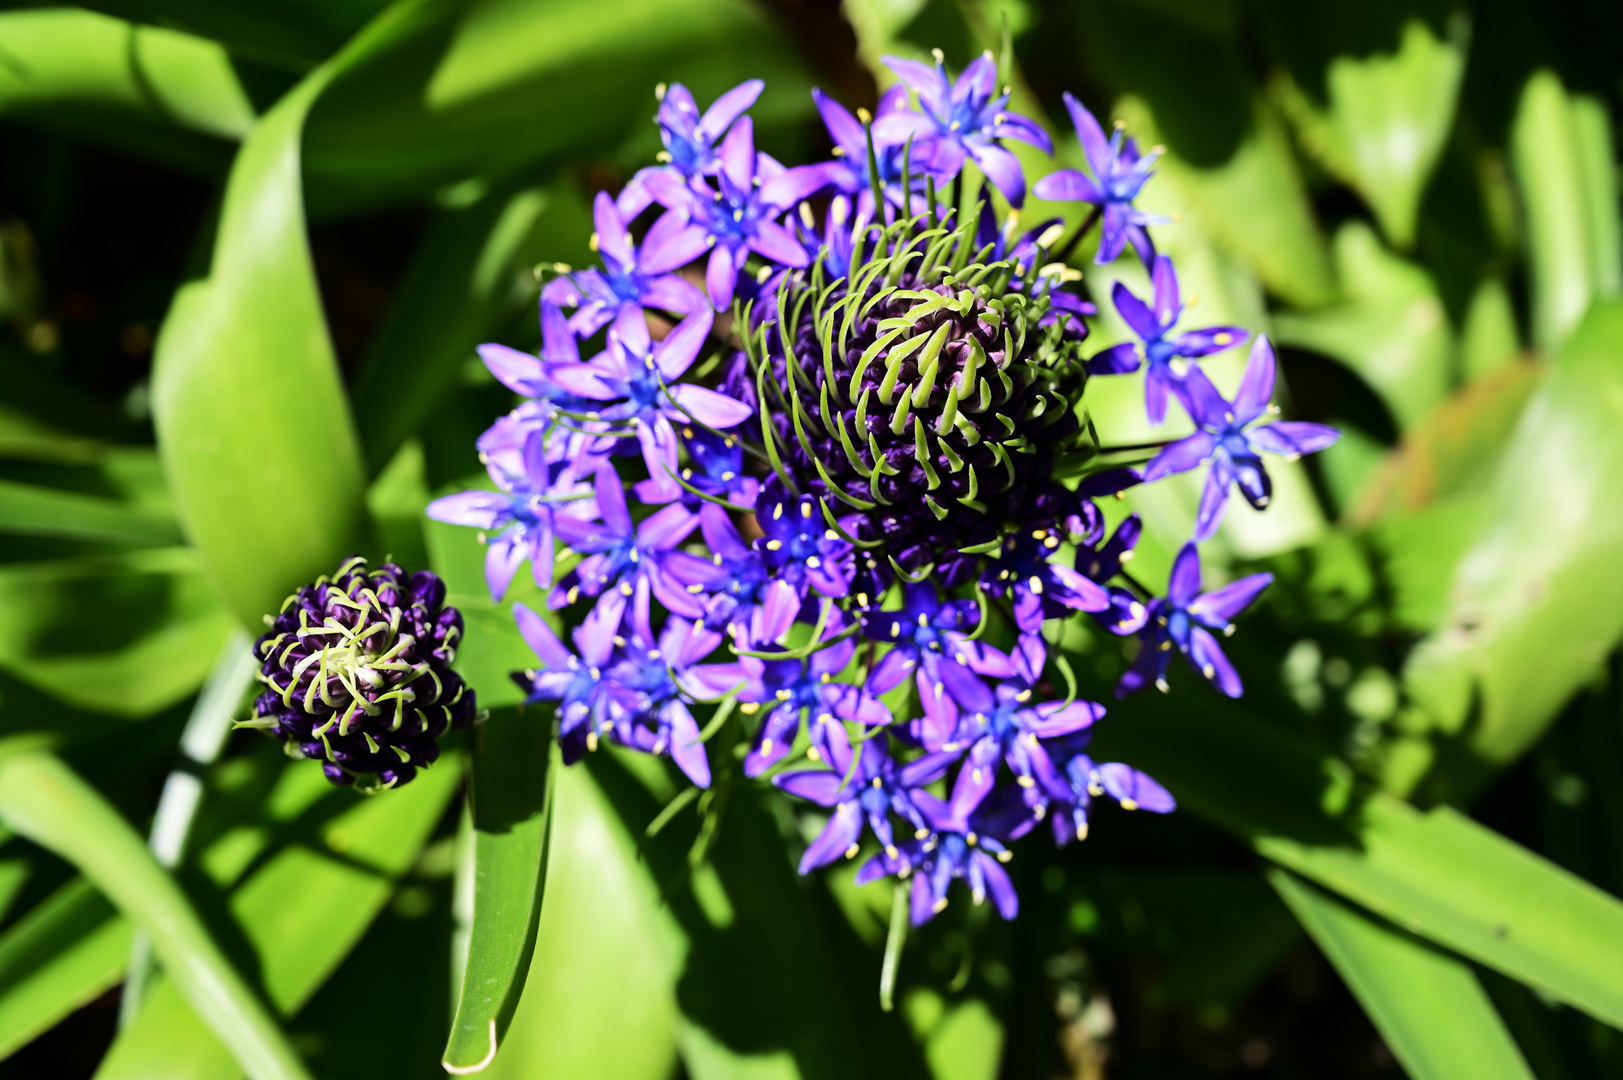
(469, 270)
(30, 510)
(1391, 329)
(1254, 205)
(142, 88)
(44, 800)
(63, 954)
(1427, 1005)
(486, 90)
(334, 864)
(1386, 122)
(1563, 160)
(1437, 874)
(295, 34)
(126, 635)
(601, 1001)
(509, 792)
(1536, 603)
(252, 421)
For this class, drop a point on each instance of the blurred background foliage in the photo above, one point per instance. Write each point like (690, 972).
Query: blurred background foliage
(245, 252)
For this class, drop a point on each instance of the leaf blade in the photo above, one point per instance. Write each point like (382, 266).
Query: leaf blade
(1428, 1006)
(44, 800)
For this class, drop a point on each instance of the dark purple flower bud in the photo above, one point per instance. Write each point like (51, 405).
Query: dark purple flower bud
(358, 674)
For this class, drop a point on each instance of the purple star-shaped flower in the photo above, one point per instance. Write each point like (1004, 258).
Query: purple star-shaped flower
(788, 688)
(1083, 780)
(1126, 613)
(575, 682)
(1041, 589)
(635, 380)
(737, 217)
(1234, 449)
(689, 138)
(877, 789)
(848, 173)
(797, 545)
(960, 119)
(624, 282)
(523, 517)
(929, 640)
(1155, 347)
(1185, 619)
(1119, 172)
(648, 685)
(619, 554)
(1009, 723)
(968, 840)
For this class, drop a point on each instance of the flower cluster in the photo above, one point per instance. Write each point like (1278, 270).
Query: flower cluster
(357, 674)
(855, 515)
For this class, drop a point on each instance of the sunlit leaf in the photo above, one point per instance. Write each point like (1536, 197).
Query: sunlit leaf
(1427, 1005)
(44, 800)
(1388, 116)
(1437, 874)
(1537, 601)
(127, 635)
(321, 862)
(509, 793)
(600, 998)
(31, 510)
(61, 955)
(143, 88)
(252, 420)
(1391, 329)
(1562, 153)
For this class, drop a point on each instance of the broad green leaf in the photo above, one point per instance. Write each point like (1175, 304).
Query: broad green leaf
(200, 744)
(1427, 1005)
(137, 86)
(470, 269)
(320, 863)
(1391, 328)
(63, 954)
(1537, 602)
(31, 510)
(125, 635)
(1563, 160)
(1597, 165)
(252, 420)
(295, 34)
(480, 91)
(44, 800)
(1456, 450)
(1488, 339)
(962, 1040)
(1437, 874)
(600, 999)
(1254, 205)
(1387, 119)
(509, 792)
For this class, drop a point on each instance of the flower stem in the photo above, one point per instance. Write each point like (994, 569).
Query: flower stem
(1064, 253)
(893, 946)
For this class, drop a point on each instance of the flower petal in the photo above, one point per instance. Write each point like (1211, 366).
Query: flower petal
(1135, 790)
(1257, 385)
